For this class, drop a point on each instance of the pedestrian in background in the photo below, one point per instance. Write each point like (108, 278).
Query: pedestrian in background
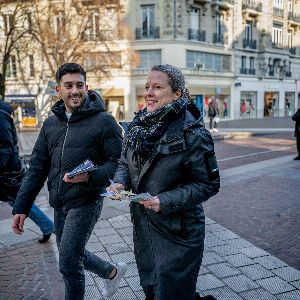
(168, 153)
(296, 118)
(12, 171)
(212, 114)
(79, 129)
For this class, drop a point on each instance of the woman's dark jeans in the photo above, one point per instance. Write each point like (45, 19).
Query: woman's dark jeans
(73, 229)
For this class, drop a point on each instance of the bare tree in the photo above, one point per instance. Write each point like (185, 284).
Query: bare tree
(83, 31)
(13, 29)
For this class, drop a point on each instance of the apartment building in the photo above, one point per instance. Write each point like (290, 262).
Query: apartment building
(243, 53)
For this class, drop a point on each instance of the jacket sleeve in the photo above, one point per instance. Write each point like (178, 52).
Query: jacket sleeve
(201, 173)
(6, 141)
(35, 177)
(111, 142)
(122, 174)
(296, 115)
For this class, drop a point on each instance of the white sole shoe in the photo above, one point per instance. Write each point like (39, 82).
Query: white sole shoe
(111, 285)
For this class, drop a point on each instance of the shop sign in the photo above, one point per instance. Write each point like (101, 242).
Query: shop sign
(29, 121)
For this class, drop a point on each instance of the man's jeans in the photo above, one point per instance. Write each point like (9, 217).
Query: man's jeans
(73, 229)
(39, 218)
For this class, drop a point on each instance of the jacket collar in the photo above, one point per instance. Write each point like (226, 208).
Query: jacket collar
(173, 140)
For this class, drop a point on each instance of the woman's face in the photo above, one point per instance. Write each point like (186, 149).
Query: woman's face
(158, 91)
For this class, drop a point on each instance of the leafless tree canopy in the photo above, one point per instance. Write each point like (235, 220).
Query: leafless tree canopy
(58, 31)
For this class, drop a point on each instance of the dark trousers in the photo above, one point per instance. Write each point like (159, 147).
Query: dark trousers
(73, 229)
(149, 293)
(298, 144)
(212, 123)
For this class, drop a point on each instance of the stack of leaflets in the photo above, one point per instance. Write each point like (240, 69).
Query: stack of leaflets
(126, 195)
(84, 167)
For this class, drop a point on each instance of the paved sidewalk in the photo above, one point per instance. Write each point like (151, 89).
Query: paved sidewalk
(232, 267)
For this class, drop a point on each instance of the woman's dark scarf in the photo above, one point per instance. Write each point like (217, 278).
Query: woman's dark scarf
(146, 129)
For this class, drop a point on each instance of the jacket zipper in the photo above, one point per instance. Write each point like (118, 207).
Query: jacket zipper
(61, 158)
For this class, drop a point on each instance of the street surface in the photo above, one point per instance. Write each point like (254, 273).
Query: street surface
(264, 210)
(245, 150)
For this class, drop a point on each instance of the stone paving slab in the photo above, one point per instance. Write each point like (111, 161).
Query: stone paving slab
(29, 270)
(258, 294)
(222, 276)
(243, 275)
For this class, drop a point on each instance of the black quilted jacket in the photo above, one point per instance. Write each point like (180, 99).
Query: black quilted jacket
(90, 133)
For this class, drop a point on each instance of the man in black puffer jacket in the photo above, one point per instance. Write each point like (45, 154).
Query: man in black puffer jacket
(80, 129)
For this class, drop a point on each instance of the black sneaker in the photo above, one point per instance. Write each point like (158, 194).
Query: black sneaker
(44, 238)
(208, 297)
(297, 157)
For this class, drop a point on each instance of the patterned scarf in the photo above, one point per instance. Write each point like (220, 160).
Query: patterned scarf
(146, 129)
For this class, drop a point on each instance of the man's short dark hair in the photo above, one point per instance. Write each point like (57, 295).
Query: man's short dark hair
(69, 68)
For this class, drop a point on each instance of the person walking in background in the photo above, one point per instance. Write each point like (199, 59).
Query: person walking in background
(296, 118)
(287, 107)
(12, 172)
(212, 114)
(164, 141)
(243, 108)
(225, 109)
(79, 129)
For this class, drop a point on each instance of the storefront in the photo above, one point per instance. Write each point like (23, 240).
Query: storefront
(114, 102)
(248, 105)
(201, 96)
(271, 104)
(24, 110)
(289, 103)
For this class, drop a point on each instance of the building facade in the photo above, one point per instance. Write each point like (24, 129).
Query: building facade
(243, 53)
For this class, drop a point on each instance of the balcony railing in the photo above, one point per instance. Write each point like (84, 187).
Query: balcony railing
(288, 74)
(243, 71)
(249, 43)
(278, 12)
(148, 33)
(218, 38)
(277, 45)
(252, 5)
(218, 2)
(292, 50)
(201, 1)
(196, 34)
(293, 17)
(247, 71)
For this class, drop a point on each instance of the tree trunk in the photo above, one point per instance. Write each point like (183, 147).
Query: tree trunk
(3, 76)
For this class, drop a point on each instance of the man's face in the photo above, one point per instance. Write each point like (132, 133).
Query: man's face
(72, 90)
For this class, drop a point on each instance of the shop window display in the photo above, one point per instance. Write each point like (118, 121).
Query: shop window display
(248, 105)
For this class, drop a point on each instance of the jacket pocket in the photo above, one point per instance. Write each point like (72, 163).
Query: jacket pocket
(172, 225)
